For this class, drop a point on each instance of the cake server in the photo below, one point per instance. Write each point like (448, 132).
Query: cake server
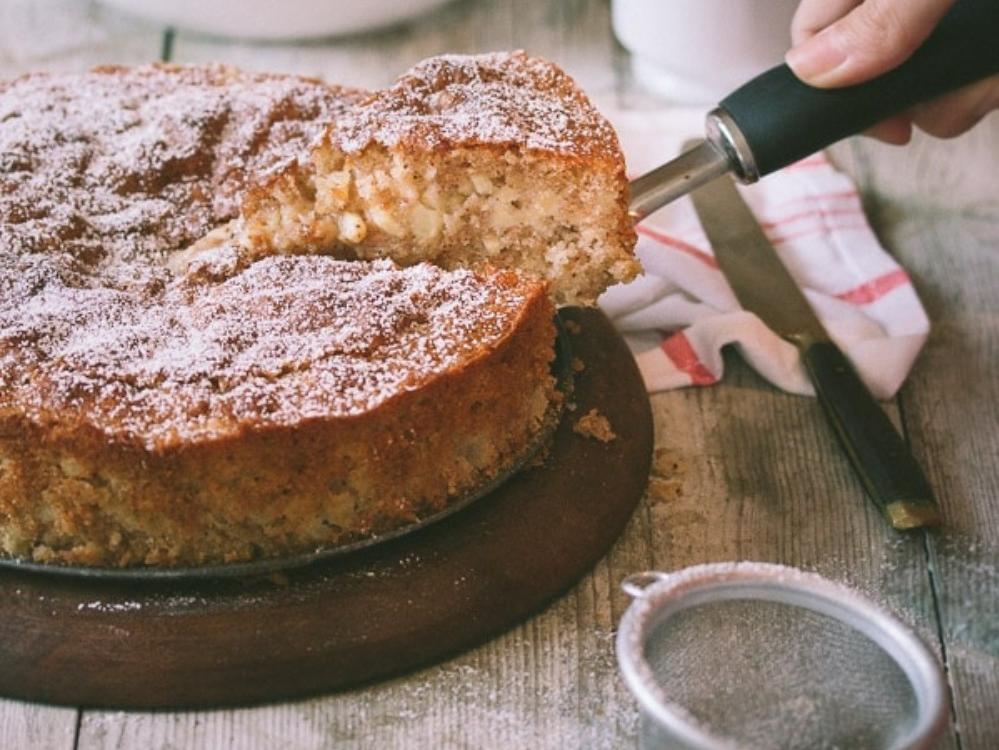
(775, 119)
(763, 286)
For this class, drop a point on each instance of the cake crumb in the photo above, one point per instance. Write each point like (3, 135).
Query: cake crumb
(668, 464)
(573, 327)
(538, 459)
(666, 483)
(661, 491)
(578, 365)
(595, 425)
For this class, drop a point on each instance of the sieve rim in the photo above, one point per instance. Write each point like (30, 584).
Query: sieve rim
(659, 595)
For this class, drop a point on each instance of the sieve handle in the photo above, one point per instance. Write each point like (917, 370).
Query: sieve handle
(637, 584)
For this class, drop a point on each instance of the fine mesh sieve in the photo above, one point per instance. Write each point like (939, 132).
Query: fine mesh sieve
(737, 655)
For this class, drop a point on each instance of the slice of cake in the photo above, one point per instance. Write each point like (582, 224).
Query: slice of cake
(467, 161)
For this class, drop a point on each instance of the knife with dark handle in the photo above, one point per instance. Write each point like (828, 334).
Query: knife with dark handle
(761, 283)
(889, 472)
(775, 119)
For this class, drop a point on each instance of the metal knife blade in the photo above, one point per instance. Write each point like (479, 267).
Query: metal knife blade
(890, 474)
(759, 279)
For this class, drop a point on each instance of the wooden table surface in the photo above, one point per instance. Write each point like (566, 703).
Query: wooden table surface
(742, 471)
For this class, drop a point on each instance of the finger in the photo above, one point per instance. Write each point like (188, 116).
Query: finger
(895, 130)
(957, 111)
(873, 38)
(814, 15)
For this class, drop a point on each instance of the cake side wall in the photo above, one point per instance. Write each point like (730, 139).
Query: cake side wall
(73, 498)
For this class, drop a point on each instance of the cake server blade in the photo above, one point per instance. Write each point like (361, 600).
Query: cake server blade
(886, 467)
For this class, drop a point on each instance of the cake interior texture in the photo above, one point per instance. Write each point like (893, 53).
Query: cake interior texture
(201, 361)
(494, 160)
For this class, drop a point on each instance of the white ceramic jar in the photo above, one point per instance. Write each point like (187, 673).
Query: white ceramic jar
(697, 51)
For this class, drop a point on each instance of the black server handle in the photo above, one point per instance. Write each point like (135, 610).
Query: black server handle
(783, 120)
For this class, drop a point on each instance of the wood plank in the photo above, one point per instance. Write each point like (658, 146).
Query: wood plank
(947, 236)
(61, 35)
(519, 691)
(551, 682)
(28, 725)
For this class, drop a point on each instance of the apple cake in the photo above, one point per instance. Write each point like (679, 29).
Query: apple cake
(188, 377)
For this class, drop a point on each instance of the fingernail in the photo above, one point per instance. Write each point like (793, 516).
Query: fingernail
(814, 60)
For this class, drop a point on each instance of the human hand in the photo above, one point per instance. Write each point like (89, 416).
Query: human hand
(845, 42)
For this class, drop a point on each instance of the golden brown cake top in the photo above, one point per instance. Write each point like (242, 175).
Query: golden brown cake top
(125, 163)
(506, 99)
(104, 174)
(161, 363)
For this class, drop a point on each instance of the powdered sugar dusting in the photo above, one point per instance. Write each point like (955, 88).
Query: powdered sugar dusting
(287, 339)
(504, 98)
(123, 164)
(103, 175)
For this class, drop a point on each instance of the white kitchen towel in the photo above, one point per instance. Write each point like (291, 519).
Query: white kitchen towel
(678, 315)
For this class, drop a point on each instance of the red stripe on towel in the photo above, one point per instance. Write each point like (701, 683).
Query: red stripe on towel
(814, 213)
(876, 288)
(848, 194)
(779, 238)
(682, 354)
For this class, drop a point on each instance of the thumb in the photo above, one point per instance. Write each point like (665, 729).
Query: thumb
(871, 39)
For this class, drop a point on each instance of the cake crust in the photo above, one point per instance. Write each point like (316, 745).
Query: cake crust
(244, 407)
(502, 100)
(315, 432)
(123, 165)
